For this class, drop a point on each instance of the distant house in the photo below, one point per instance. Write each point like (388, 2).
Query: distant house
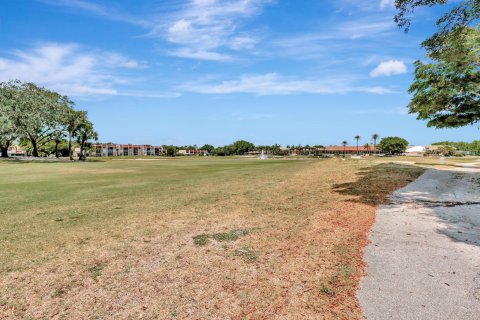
(348, 150)
(415, 151)
(193, 152)
(16, 151)
(116, 150)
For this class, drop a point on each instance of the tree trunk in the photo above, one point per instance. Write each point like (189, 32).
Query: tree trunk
(4, 151)
(70, 152)
(35, 147)
(56, 149)
(81, 157)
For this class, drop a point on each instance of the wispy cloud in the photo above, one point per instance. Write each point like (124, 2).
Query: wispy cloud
(334, 42)
(389, 68)
(197, 29)
(387, 4)
(275, 84)
(71, 70)
(204, 27)
(100, 10)
(364, 5)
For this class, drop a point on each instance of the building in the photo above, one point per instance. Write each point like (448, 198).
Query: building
(415, 151)
(16, 151)
(333, 150)
(117, 150)
(193, 152)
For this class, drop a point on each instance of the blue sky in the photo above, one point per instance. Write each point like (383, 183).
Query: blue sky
(214, 71)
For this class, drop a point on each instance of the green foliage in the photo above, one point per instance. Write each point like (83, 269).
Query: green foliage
(8, 130)
(33, 113)
(393, 145)
(208, 147)
(446, 150)
(473, 146)
(203, 239)
(171, 151)
(241, 147)
(464, 14)
(85, 132)
(232, 235)
(446, 91)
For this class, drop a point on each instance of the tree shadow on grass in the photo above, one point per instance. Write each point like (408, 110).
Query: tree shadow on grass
(13, 160)
(375, 184)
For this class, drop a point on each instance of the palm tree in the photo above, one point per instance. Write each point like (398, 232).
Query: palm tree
(375, 136)
(367, 146)
(344, 144)
(85, 132)
(357, 138)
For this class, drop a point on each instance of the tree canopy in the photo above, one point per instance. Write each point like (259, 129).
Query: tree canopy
(393, 145)
(242, 147)
(37, 115)
(446, 89)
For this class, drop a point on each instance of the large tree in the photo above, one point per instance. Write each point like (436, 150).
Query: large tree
(242, 147)
(393, 145)
(446, 89)
(38, 114)
(8, 130)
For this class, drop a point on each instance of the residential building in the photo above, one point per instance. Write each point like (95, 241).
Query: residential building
(117, 150)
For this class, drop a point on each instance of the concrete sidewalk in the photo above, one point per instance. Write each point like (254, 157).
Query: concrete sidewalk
(424, 256)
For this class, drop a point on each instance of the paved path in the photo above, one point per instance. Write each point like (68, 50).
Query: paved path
(424, 256)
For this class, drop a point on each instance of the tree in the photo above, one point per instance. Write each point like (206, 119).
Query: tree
(393, 145)
(446, 150)
(242, 147)
(8, 130)
(85, 132)
(357, 138)
(73, 120)
(171, 151)
(37, 114)
(446, 91)
(208, 147)
(464, 14)
(344, 144)
(375, 137)
(276, 148)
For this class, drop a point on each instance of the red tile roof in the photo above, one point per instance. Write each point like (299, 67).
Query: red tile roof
(349, 149)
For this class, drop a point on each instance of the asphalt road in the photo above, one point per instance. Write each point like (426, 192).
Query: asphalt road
(424, 256)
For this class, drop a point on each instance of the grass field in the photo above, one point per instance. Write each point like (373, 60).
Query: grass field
(188, 238)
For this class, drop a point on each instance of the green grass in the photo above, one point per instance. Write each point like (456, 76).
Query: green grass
(48, 208)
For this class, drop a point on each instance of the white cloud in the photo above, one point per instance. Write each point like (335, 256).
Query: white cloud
(362, 28)
(389, 68)
(99, 10)
(199, 29)
(243, 42)
(210, 26)
(200, 54)
(274, 84)
(387, 4)
(69, 69)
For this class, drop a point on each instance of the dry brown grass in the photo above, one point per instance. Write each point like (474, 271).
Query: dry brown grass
(301, 258)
